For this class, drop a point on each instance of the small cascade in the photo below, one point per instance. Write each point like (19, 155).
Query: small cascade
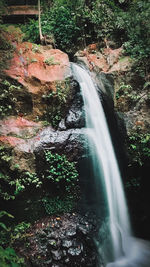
(122, 246)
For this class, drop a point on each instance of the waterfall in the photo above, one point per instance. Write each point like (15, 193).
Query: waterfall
(122, 245)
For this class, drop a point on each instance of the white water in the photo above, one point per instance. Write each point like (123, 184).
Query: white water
(126, 250)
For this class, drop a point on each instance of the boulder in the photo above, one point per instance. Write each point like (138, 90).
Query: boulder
(39, 70)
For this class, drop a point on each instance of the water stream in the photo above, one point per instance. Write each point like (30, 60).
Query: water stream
(124, 249)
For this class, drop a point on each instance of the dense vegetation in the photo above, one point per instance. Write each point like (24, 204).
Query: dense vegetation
(77, 23)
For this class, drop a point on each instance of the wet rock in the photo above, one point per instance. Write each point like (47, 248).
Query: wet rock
(70, 142)
(56, 254)
(84, 229)
(71, 232)
(48, 262)
(67, 243)
(42, 234)
(76, 117)
(68, 248)
(62, 125)
(74, 251)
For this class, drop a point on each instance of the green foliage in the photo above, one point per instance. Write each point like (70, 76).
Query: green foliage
(2, 9)
(31, 31)
(103, 17)
(14, 182)
(4, 43)
(74, 23)
(58, 205)
(36, 48)
(133, 184)
(7, 99)
(19, 231)
(60, 169)
(3, 225)
(126, 96)
(34, 60)
(65, 20)
(6, 49)
(8, 258)
(11, 187)
(60, 21)
(5, 155)
(56, 102)
(137, 28)
(139, 147)
(26, 179)
(124, 89)
(51, 61)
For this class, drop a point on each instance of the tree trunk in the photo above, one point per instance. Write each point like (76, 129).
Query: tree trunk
(40, 29)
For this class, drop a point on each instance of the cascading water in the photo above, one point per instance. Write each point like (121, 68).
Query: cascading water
(107, 171)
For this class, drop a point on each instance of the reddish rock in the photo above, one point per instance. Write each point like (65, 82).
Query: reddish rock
(42, 64)
(98, 61)
(121, 65)
(112, 55)
(38, 69)
(11, 140)
(109, 61)
(22, 143)
(19, 126)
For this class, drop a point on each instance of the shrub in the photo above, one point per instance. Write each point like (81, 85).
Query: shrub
(58, 205)
(8, 256)
(139, 147)
(7, 99)
(60, 170)
(12, 183)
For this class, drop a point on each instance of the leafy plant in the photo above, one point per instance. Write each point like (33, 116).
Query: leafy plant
(7, 99)
(36, 48)
(139, 147)
(126, 96)
(55, 101)
(57, 205)
(51, 61)
(9, 258)
(11, 187)
(2, 214)
(31, 31)
(19, 231)
(60, 169)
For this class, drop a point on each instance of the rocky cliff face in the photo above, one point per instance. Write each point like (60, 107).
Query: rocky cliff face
(40, 91)
(42, 110)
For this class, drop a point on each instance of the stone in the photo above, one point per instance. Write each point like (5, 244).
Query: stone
(71, 232)
(66, 243)
(74, 251)
(71, 251)
(56, 254)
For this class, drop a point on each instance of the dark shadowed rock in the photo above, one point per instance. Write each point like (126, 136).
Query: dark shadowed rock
(75, 250)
